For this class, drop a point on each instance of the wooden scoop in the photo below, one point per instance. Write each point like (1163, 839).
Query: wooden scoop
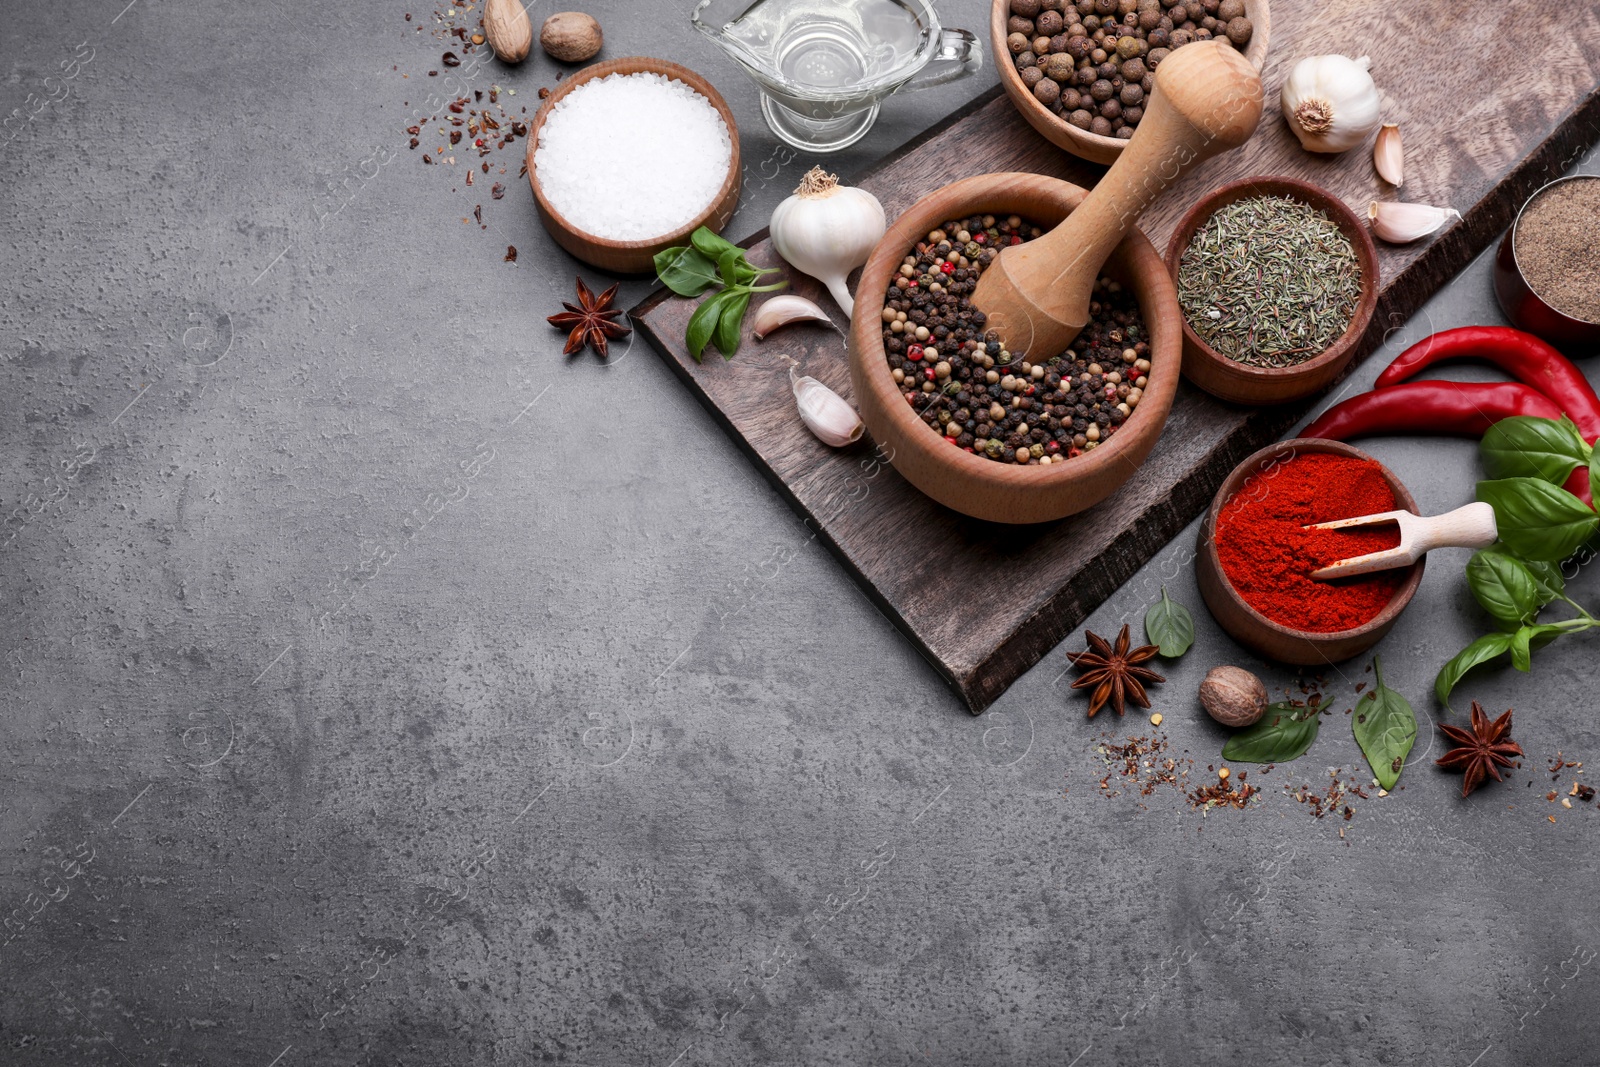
(1472, 526)
(1207, 98)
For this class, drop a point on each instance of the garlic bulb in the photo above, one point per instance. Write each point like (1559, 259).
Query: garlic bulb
(827, 230)
(825, 412)
(1330, 102)
(1400, 223)
(782, 310)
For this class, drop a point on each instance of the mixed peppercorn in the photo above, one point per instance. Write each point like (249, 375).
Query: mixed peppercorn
(992, 402)
(1093, 61)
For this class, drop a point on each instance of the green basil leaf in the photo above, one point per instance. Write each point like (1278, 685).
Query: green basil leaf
(728, 267)
(1548, 577)
(1283, 733)
(704, 322)
(711, 246)
(1594, 476)
(685, 270)
(1385, 728)
(1504, 586)
(1169, 626)
(1482, 650)
(1538, 520)
(726, 337)
(1524, 446)
(1525, 640)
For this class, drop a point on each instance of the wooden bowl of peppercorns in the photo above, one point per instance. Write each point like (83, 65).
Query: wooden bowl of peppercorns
(1054, 482)
(1086, 97)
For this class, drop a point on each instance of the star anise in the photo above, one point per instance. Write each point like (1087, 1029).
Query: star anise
(590, 321)
(1114, 673)
(1482, 751)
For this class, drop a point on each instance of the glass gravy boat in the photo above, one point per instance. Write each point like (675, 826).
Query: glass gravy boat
(824, 66)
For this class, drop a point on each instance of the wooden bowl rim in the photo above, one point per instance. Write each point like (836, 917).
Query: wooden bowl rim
(634, 65)
(902, 235)
(1307, 193)
(1022, 97)
(1232, 484)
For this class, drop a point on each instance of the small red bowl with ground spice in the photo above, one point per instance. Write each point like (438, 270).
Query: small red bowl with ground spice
(1547, 274)
(1255, 558)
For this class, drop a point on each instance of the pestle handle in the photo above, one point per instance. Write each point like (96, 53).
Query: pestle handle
(1207, 99)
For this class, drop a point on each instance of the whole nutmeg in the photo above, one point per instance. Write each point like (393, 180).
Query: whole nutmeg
(570, 36)
(1233, 696)
(510, 34)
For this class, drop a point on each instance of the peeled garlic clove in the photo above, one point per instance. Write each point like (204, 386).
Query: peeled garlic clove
(825, 412)
(1400, 223)
(782, 310)
(1386, 155)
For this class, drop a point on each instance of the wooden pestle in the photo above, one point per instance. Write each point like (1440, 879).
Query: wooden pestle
(1207, 98)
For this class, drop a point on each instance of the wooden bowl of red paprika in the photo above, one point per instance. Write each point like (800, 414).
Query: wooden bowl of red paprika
(1255, 559)
(1242, 383)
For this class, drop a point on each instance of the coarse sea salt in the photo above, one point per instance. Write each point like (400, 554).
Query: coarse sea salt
(631, 157)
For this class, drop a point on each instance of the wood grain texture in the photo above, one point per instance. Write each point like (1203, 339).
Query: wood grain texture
(957, 595)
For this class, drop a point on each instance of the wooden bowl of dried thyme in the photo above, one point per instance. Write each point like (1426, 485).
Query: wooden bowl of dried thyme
(1277, 282)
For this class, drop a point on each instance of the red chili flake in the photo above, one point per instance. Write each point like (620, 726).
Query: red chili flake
(415, 142)
(455, 107)
(479, 142)
(413, 130)
(511, 253)
(428, 160)
(477, 212)
(489, 123)
(498, 191)
(469, 177)
(544, 94)
(431, 73)
(455, 136)
(494, 96)
(486, 169)
(450, 59)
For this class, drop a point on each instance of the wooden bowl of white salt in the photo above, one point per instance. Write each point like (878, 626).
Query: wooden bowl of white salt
(629, 157)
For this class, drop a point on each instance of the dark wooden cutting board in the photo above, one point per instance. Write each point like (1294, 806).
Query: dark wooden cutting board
(1493, 102)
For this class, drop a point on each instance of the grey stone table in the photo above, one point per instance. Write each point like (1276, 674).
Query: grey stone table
(381, 687)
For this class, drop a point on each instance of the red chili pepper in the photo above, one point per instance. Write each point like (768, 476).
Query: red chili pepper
(1521, 355)
(1466, 409)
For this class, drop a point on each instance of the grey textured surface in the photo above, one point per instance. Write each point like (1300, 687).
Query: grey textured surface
(381, 688)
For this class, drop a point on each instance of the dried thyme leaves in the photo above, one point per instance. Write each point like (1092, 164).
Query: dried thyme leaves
(1269, 281)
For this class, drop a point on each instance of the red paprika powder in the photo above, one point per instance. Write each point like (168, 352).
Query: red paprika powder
(1268, 556)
